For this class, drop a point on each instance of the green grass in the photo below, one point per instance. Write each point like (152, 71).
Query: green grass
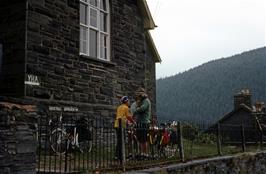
(196, 151)
(102, 157)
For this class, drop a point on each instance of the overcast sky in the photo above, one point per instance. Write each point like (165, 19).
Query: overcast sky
(192, 32)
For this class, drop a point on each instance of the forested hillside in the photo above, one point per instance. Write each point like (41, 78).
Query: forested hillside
(205, 93)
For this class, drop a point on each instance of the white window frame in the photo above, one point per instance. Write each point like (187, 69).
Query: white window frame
(98, 29)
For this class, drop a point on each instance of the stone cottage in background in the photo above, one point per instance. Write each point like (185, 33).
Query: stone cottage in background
(77, 54)
(251, 117)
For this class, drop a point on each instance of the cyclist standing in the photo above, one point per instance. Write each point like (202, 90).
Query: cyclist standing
(124, 114)
(143, 114)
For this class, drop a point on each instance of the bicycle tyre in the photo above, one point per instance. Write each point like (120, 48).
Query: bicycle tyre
(90, 141)
(59, 141)
(86, 144)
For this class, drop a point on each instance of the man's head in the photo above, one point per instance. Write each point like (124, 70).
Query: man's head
(124, 100)
(140, 92)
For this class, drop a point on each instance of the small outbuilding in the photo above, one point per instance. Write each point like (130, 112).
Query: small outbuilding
(245, 117)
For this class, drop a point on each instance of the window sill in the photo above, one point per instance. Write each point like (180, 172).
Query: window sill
(97, 60)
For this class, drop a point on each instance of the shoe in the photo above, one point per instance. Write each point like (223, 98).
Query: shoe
(146, 156)
(129, 156)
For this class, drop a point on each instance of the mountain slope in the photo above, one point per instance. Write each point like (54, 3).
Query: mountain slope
(205, 93)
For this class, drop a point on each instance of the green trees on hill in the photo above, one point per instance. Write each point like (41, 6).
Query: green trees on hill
(205, 93)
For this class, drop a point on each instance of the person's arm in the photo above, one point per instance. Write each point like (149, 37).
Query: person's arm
(129, 116)
(133, 108)
(143, 107)
(118, 113)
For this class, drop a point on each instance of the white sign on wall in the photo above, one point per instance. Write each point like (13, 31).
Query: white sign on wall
(64, 108)
(32, 80)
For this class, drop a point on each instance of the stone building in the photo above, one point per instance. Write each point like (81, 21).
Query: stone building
(77, 55)
(252, 118)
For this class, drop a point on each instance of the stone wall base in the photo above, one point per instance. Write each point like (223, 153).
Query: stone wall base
(246, 163)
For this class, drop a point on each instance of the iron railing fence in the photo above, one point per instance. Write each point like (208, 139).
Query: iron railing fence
(72, 143)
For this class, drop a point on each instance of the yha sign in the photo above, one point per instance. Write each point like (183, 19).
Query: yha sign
(32, 80)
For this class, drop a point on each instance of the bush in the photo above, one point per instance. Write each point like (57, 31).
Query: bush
(205, 138)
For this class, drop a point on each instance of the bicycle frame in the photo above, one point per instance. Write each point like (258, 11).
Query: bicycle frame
(68, 134)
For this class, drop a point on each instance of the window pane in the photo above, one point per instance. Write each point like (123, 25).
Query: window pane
(93, 43)
(84, 47)
(93, 2)
(83, 40)
(103, 5)
(103, 21)
(94, 36)
(93, 17)
(83, 13)
(103, 46)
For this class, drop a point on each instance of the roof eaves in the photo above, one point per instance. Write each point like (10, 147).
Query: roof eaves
(153, 47)
(228, 115)
(149, 23)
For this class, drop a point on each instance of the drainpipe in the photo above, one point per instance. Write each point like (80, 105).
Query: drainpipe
(26, 42)
(145, 64)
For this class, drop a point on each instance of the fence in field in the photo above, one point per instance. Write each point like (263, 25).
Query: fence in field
(69, 144)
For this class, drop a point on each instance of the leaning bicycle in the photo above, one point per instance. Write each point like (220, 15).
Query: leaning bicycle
(71, 136)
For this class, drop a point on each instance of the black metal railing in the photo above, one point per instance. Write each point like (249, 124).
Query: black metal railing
(74, 143)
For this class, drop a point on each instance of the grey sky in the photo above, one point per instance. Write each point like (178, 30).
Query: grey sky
(192, 32)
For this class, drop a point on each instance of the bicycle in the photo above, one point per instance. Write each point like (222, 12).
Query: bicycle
(66, 136)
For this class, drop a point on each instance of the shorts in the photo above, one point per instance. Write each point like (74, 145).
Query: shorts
(142, 132)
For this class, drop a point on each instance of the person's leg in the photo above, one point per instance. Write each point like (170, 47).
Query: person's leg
(145, 139)
(139, 138)
(117, 149)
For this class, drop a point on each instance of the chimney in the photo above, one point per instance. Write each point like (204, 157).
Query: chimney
(259, 106)
(242, 97)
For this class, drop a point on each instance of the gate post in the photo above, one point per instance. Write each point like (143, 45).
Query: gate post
(219, 145)
(243, 138)
(121, 145)
(180, 142)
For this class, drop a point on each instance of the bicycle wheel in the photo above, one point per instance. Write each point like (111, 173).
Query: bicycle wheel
(85, 144)
(90, 139)
(59, 141)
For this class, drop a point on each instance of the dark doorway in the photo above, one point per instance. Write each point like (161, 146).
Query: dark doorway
(1, 57)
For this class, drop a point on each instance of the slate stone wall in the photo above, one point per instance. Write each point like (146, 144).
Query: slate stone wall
(90, 84)
(12, 39)
(150, 77)
(18, 141)
(247, 163)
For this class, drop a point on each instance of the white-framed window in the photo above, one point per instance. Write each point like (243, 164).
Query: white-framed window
(94, 28)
